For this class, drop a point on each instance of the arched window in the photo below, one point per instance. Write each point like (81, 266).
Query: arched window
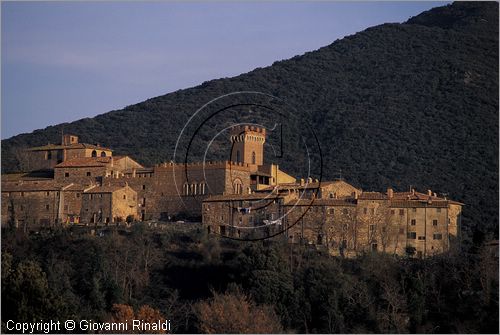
(237, 186)
(253, 157)
(94, 153)
(238, 157)
(185, 189)
(103, 153)
(201, 189)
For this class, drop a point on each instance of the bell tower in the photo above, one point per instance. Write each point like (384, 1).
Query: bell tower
(248, 145)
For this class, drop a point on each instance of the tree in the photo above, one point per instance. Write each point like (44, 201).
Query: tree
(235, 313)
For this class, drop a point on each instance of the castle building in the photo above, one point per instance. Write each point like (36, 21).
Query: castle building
(340, 218)
(166, 191)
(77, 183)
(48, 156)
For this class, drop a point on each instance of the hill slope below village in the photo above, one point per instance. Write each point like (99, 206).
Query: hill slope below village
(397, 104)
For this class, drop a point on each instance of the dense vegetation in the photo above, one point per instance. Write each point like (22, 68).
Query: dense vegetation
(204, 284)
(397, 104)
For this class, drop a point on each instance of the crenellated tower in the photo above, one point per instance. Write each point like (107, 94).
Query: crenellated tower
(248, 144)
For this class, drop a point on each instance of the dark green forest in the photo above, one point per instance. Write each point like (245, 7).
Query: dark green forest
(206, 284)
(394, 105)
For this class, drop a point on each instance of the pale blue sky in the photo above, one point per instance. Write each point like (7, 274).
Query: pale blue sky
(64, 61)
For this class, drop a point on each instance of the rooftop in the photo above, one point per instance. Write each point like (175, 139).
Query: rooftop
(86, 162)
(69, 146)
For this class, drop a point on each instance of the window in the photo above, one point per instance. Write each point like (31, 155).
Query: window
(237, 187)
(413, 222)
(22, 194)
(106, 220)
(374, 246)
(372, 227)
(21, 208)
(143, 187)
(438, 210)
(372, 211)
(66, 174)
(401, 230)
(78, 195)
(94, 153)
(344, 211)
(421, 238)
(66, 207)
(393, 211)
(411, 235)
(331, 195)
(365, 210)
(434, 222)
(47, 193)
(103, 154)
(437, 236)
(319, 239)
(201, 189)
(185, 189)
(401, 212)
(193, 189)
(49, 155)
(88, 174)
(253, 157)
(124, 197)
(47, 207)
(331, 211)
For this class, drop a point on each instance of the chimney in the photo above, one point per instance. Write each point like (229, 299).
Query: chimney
(390, 193)
(413, 191)
(429, 193)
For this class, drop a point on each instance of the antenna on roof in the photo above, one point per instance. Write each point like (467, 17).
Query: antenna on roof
(340, 175)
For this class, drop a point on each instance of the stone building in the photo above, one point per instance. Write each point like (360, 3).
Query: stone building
(108, 204)
(48, 156)
(77, 183)
(167, 191)
(340, 218)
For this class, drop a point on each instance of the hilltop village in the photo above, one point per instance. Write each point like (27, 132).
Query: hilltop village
(73, 183)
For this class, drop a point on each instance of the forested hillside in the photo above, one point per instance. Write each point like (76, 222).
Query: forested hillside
(397, 104)
(204, 284)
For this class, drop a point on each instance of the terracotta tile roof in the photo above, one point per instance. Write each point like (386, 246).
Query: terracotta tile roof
(105, 189)
(85, 162)
(372, 196)
(418, 203)
(242, 197)
(70, 146)
(297, 186)
(32, 186)
(321, 202)
(35, 175)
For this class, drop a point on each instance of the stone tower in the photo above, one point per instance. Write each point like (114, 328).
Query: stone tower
(248, 145)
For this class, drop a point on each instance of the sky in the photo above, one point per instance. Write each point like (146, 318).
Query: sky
(63, 61)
